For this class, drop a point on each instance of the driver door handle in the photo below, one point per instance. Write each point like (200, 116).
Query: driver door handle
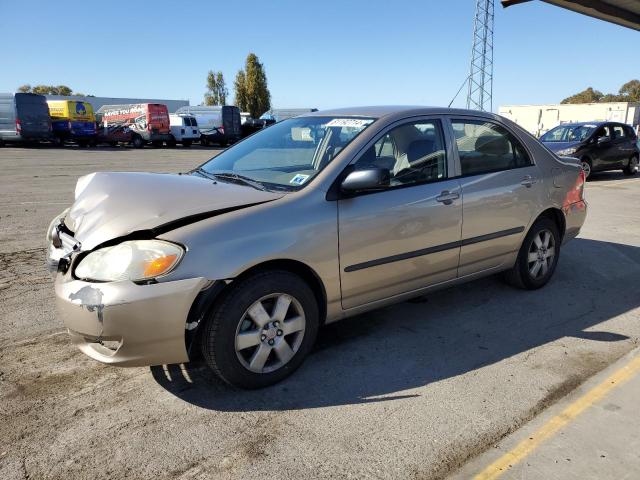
(447, 197)
(528, 181)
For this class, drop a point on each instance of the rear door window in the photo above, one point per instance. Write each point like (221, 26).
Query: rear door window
(485, 147)
(618, 132)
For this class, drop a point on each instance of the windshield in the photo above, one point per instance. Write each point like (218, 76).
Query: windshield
(568, 133)
(287, 155)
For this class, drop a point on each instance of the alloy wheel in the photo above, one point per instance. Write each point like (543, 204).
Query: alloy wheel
(541, 254)
(270, 333)
(633, 165)
(586, 168)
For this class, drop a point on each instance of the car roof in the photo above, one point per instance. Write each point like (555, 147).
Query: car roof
(579, 124)
(399, 111)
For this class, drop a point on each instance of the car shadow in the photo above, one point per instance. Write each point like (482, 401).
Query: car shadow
(383, 355)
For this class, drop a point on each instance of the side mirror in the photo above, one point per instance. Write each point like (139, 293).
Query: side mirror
(603, 140)
(368, 179)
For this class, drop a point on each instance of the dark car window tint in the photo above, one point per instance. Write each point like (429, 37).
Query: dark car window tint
(413, 153)
(604, 131)
(629, 132)
(618, 131)
(194, 123)
(487, 147)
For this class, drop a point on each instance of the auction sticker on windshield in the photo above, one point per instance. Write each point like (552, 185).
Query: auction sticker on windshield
(299, 179)
(349, 122)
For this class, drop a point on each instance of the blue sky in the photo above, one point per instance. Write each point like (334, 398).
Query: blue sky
(316, 54)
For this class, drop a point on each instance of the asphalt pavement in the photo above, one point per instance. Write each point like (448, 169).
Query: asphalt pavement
(416, 390)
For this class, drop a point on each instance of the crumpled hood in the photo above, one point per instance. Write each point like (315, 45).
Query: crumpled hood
(110, 205)
(557, 146)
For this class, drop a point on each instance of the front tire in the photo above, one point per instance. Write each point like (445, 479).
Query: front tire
(632, 167)
(538, 256)
(186, 143)
(137, 142)
(261, 330)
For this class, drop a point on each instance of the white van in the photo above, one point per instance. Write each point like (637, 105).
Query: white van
(218, 124)
(184, 130)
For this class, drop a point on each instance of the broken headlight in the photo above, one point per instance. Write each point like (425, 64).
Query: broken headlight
(132, 260)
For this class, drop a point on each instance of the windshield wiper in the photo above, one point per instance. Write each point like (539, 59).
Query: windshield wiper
(203, 172)
(240, 178)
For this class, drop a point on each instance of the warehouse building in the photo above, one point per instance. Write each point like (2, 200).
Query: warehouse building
(539, 119)
(97, 102)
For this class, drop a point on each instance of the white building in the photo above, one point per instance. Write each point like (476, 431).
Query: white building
(539, 119)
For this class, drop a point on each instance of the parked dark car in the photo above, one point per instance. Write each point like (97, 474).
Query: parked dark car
(114, 134)
(600, 146)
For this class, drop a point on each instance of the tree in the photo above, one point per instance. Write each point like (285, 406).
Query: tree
(49, 90)
(64, 90)
(41, 89)
(216, 89)
(240, 87)
(631, 90)
(252, 92)
(586, 96)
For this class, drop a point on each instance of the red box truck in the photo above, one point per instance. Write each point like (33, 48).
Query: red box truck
(148, 122)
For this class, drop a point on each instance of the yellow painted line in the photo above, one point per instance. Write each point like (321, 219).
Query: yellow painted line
(525, 447)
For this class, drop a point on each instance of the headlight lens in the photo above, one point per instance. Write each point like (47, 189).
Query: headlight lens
(133, 260)
(567, 151)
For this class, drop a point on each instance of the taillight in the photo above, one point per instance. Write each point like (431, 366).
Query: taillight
(582, 179)
(221, 129)
(18, 126)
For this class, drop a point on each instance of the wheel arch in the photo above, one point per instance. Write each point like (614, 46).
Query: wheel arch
(556, 215)
(211, 296)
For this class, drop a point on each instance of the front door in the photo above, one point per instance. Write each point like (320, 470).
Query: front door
(404, 237)
(603, 152)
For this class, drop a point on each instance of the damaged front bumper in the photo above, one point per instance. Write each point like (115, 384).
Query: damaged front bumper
(126, 324)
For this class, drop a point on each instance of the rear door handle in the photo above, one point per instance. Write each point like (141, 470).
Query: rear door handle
(528, 181)
(447, 197)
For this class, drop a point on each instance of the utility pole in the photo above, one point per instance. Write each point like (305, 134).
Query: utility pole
(479, 96)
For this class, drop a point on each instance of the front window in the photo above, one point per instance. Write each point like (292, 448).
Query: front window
(568, 133)
(289, 154)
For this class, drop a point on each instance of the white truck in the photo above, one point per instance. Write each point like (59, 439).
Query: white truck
(184, 130)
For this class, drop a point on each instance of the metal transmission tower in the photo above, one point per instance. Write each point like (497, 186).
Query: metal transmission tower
(481, 72)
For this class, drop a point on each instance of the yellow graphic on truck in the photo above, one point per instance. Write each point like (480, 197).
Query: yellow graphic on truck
(71, 110)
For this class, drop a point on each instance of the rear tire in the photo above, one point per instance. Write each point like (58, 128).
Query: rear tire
(587, 167)
(278, 339)
(538, 256)
(632, 167)
(204, 142)
(186, 143)
(171, 142)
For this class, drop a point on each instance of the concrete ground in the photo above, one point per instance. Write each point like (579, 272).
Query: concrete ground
(592, 433)
(415, 390)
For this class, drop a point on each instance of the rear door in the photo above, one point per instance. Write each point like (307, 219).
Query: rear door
(231, 122)
(501, 190)
(404, 237)
(623, 145)
(33, 115)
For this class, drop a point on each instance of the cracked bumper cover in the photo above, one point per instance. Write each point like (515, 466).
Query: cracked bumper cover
(125, 324)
